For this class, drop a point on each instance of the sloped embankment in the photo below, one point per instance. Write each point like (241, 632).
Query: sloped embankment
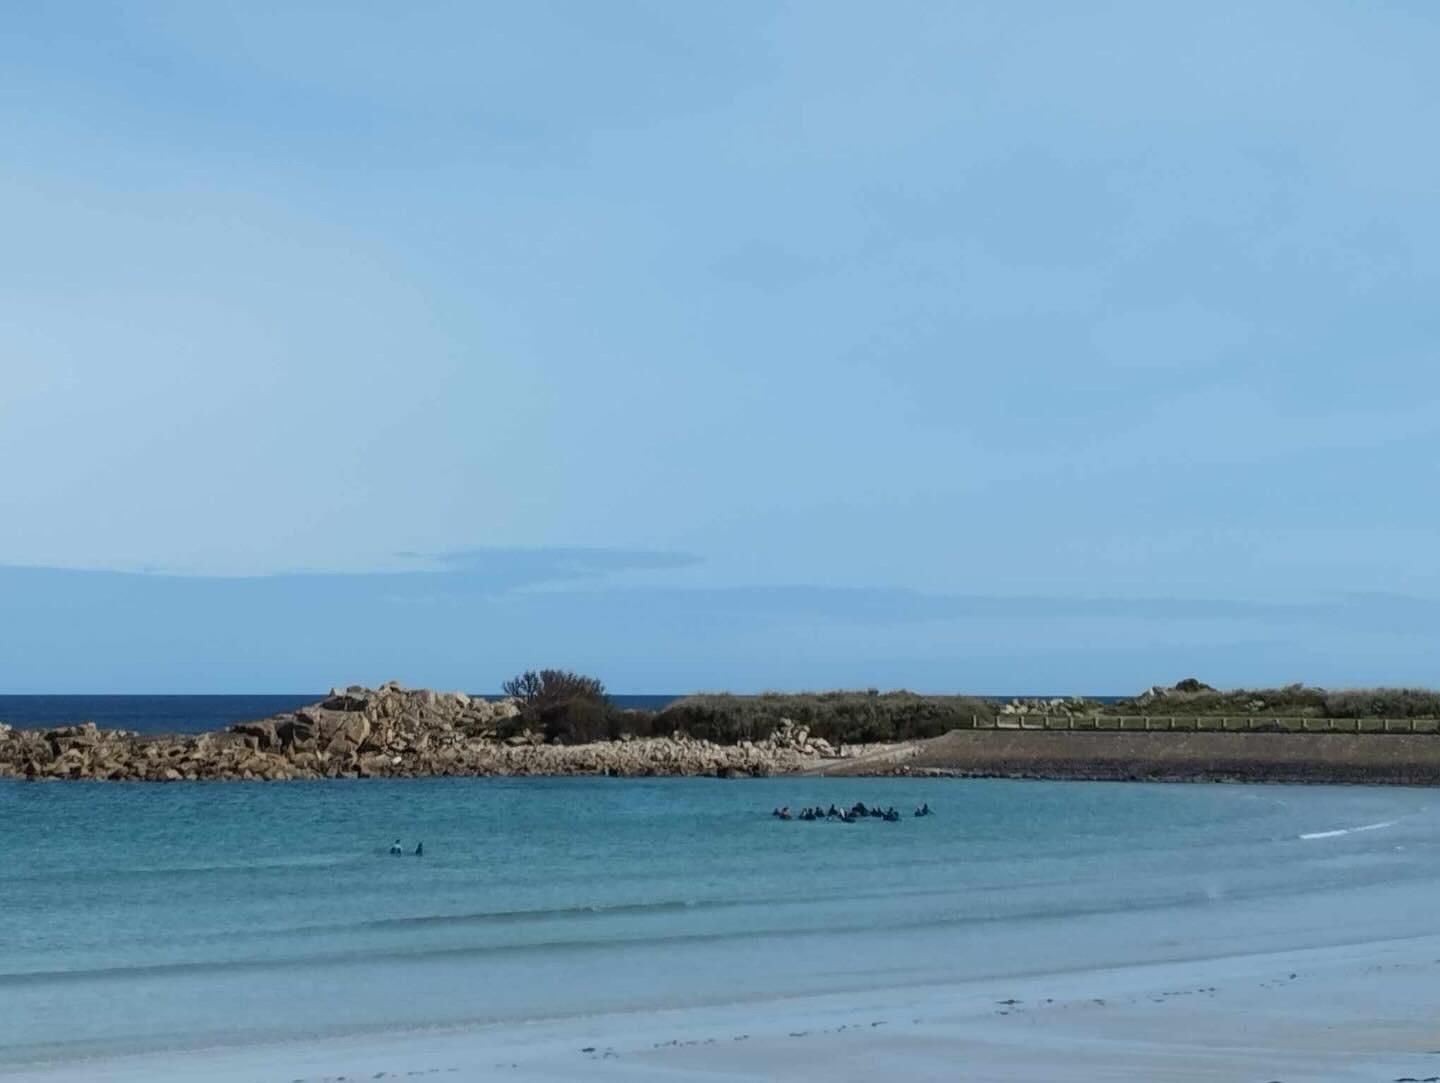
(1394, 759)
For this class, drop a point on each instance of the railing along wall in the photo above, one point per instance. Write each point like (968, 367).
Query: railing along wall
(1204, 724)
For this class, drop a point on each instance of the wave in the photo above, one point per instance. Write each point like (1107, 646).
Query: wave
(350, 958)
(486, 917)
(1347, 830)
(918, 923)
(598, 911)
(141, 872)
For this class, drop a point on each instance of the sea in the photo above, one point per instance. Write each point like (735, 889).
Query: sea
(212, 915)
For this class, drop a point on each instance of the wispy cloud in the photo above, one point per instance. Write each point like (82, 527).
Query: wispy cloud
(499, 611)
(556, 563)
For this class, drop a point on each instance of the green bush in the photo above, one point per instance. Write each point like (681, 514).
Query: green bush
(539, 689)
(838, 717)
(567, 707)
(1292, 701)
(1383, 703)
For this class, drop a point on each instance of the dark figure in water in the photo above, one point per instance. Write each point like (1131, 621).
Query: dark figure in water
(419, 849)
(834, 812)
(859, 809)
(924, 810)
(891, 816)
(395, 848)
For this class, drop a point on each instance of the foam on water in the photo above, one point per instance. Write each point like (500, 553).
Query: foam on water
(1346, 831)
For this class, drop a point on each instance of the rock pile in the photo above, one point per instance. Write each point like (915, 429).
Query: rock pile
(1182, 690)
(386, 732)
(790, 737)
(1075, 705)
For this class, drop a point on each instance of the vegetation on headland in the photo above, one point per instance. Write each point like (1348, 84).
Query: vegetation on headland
(1191, 697)
(838, 717)
(867, 717)
(570, 708)
(566, 707)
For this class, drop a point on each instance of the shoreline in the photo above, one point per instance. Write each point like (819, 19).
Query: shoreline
(1173, 1020)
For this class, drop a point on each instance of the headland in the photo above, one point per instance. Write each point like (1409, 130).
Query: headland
(389, 732)
(1187, 732)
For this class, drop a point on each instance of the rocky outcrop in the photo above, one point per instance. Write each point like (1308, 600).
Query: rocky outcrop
(386, 732)
(1056, 706)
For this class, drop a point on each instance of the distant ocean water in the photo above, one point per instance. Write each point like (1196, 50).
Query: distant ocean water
(199, 914)
(184, 714)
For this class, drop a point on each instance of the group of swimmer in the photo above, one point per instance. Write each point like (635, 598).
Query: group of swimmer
(857, 812)
(397, 851)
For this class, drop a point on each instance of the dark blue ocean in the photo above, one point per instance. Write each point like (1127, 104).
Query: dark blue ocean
(183, 714)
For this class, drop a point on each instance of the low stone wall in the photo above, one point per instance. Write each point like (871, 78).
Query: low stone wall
(386, 732)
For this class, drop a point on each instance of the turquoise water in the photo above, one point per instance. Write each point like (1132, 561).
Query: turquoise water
(139, 917)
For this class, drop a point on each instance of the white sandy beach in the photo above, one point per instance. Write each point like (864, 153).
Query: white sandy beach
(1365, 1011)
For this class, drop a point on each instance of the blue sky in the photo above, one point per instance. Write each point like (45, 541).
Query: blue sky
(1001, 347)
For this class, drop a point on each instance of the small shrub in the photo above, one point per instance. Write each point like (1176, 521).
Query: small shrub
(1191, 684)
(546, 687)
(566, 707)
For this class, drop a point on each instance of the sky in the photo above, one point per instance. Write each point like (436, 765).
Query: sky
(997, 347)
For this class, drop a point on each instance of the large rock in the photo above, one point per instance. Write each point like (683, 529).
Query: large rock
(262, 732)
(297, 733)
(352, 699)
(343, 734)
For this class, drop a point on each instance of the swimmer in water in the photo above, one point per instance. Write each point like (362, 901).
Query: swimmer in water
(395, 848)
